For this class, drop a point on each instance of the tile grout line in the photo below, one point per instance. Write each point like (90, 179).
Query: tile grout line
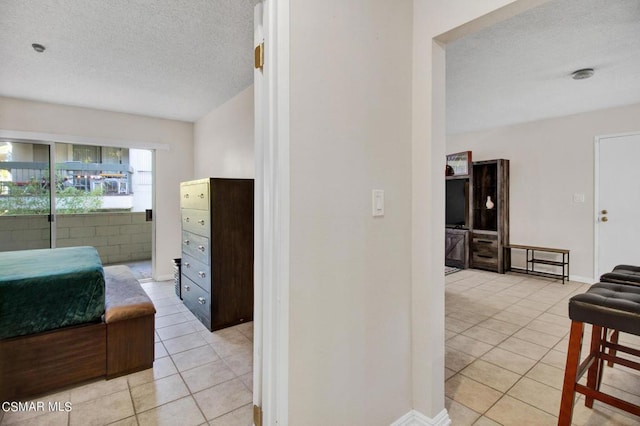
(220, 358)
(133, 404)
(505, 393)
(521, 376)
(179, 373)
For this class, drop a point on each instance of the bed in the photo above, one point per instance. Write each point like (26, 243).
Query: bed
(47, 289)
(64, 320)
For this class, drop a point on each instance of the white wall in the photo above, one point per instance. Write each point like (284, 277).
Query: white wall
(224, 140)
(350, 284)
(366, 330)
(172, 166)
(551, 160)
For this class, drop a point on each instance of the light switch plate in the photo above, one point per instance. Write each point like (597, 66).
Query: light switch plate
(578, 198)
(377, 202)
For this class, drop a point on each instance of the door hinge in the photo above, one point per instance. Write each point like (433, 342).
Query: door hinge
(259, 56)
(257, 415)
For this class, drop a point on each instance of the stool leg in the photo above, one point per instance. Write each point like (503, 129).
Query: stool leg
(614, 339)
(601, 362)
(571, 369)
(595, 370)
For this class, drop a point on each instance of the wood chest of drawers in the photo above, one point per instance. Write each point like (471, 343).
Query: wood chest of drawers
(217, 250)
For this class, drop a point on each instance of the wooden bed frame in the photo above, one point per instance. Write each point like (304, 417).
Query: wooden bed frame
(39, 363)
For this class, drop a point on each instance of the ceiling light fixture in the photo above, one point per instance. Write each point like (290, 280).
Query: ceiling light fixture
(38, 47)
(582, 74)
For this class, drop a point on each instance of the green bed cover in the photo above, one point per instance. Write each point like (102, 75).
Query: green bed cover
(49, 288)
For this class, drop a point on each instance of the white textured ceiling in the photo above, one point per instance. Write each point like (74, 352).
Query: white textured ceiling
(181, 58)
(174, 59)
(519, 70)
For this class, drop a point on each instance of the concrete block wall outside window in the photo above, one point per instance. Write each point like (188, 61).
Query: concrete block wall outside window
(118, 237)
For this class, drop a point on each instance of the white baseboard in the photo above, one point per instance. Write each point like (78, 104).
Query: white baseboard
(164, 278)
(585, 280)
(416, 418)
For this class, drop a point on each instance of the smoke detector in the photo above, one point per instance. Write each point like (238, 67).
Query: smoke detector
(582, 74)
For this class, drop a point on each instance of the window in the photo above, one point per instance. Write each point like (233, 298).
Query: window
(115, 155)
(86, 153)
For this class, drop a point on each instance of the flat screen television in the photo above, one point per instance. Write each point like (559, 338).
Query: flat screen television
(457, 192)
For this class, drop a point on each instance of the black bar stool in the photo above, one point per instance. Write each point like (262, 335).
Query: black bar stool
(606, 306)
(621, 274)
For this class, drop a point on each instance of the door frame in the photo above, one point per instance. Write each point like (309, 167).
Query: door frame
(271, 251)
(596, 196)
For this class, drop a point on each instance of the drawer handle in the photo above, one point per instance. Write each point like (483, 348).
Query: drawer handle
(485, 241)
(187, 242)
(201, 274)
(186, 219)
(187, 265)
(201, 248)
(202, 300)
(186, 287)
(485, 256)
(201, 222)
(186, 195)
(201, 195)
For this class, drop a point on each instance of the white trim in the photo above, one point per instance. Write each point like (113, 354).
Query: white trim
(596, 197)
(416, 418)
(579, 279)
(154, 211)
(618, 135)
(258, 301)
(280, 76)
(163, 278)
(80, 140)
(272, 215)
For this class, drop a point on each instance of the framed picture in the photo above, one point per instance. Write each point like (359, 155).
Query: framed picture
(458, 164)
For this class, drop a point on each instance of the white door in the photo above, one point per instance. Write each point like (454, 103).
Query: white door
(618, 201)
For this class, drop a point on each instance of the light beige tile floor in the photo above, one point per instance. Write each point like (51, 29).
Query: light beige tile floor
(198, 378)
(505, 347)
(506, 340)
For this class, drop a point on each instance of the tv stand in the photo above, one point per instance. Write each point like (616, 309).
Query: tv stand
(456, 247)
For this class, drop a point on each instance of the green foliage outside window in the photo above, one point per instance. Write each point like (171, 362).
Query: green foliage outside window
(32, 198)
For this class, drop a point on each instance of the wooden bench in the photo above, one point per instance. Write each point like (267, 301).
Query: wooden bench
(532, 260)
(129, 316)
